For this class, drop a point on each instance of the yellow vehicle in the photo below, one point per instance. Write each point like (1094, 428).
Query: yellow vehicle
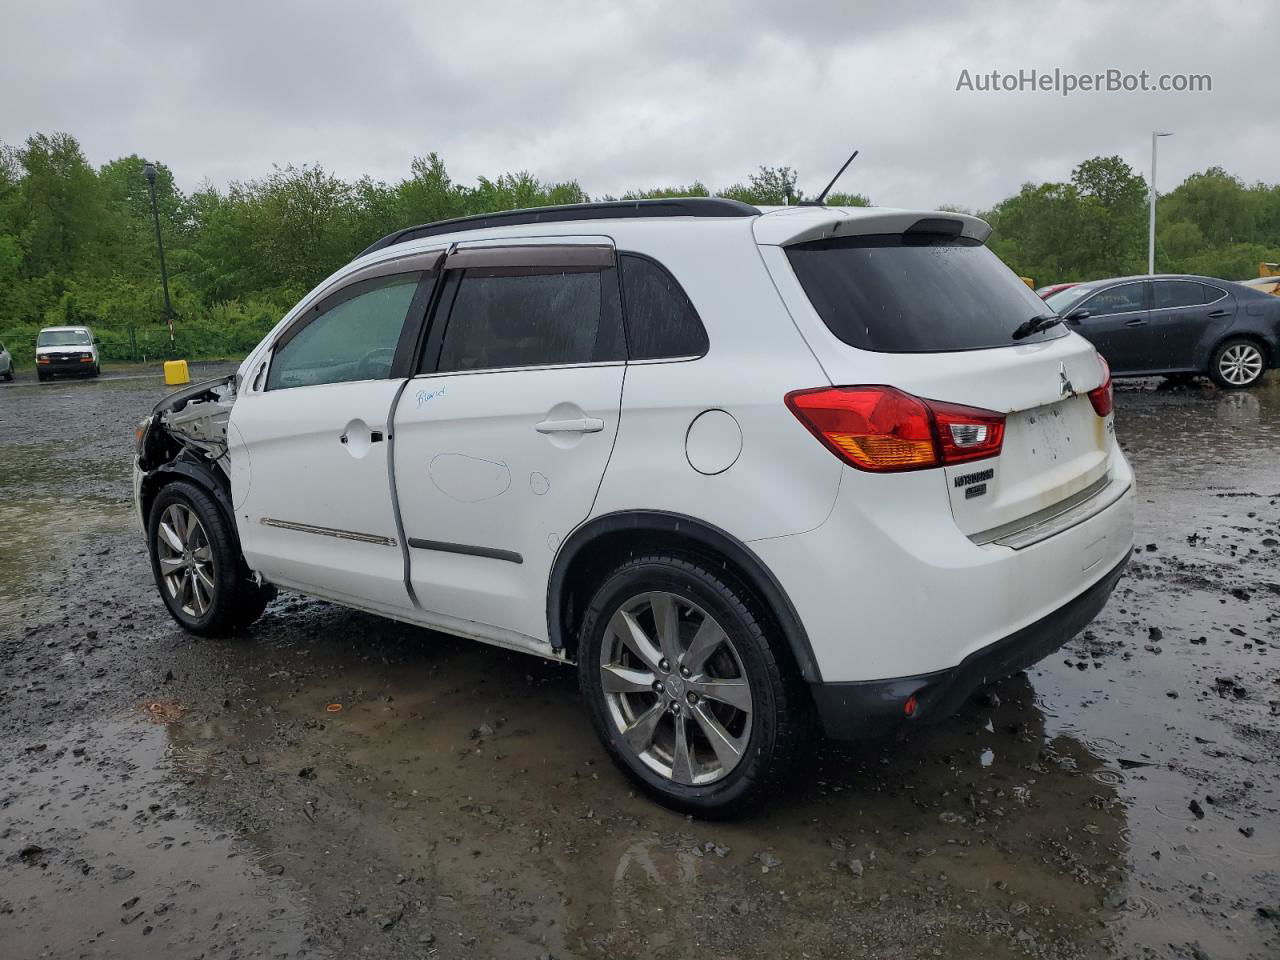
(1268, 269)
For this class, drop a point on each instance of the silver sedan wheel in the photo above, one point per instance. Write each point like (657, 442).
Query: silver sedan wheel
(676, 689)
(186, 560)
(1240, 364)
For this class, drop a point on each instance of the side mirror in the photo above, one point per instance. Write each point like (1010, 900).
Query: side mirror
(1076, 315)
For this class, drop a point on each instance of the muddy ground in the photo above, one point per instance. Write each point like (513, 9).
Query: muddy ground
(336, 785)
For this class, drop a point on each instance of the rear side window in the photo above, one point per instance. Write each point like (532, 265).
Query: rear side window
(915, 293)
(532, 316)
(1176, 293)
(352, 336)
(661, 322)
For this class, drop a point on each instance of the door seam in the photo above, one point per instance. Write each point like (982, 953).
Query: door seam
(395, 496)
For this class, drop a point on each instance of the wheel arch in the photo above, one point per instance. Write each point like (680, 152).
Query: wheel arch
(598, 545)
(186, 466)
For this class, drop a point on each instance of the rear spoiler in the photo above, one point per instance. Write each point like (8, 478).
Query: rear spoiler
(787, 225)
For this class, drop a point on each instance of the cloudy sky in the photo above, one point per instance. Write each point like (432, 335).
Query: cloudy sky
(621, 95)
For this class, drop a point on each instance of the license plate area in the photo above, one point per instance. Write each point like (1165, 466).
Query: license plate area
(1050, 453)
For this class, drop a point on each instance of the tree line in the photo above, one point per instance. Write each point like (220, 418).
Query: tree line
(77, 243)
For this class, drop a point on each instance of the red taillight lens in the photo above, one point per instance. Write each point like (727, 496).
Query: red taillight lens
(885, 429)
(967, 433)
(1101, 397)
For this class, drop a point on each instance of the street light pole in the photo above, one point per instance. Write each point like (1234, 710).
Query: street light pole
(149, 171)
(1151, 235)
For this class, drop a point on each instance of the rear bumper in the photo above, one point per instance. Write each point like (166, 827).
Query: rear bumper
(852, 711)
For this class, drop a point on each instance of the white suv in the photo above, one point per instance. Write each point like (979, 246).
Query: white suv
(746, 468)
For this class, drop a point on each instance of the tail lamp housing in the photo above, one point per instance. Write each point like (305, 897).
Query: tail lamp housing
(886, 430)
(1101, 396)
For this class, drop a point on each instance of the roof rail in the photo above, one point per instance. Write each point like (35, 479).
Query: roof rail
(608, 210)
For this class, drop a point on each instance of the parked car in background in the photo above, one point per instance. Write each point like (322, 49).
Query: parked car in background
(1176, 324)
(684, 444)
(6, 363)
(1269, 285)
(72, 350)
(1052, 288)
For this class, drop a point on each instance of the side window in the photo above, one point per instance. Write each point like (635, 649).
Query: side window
(1122, 299)
(351, 335)
(1212, 294)
(532, 317)
(661, 322)
(1167, 294)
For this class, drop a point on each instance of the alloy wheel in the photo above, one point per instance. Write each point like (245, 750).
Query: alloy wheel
(185, 559)
(1240, 364)
(676, 689)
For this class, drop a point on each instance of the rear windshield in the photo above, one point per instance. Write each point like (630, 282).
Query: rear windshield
(62, 338)
(916, 293)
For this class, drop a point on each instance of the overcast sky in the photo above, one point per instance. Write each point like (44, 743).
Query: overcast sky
(643, 93)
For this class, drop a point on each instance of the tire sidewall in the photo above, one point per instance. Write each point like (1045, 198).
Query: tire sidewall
(689, 582)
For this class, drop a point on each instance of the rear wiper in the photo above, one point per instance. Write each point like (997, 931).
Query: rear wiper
(1036, 324)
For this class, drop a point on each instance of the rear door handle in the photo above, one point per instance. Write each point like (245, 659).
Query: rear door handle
(1219, 313)
(579, 425)
(1136, 323)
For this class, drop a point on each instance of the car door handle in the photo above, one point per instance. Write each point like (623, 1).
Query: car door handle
(1139, 322)
(579, 425)
(1219, 313)
(375, 436)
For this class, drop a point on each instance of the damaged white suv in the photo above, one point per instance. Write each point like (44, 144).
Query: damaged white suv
(746, 468)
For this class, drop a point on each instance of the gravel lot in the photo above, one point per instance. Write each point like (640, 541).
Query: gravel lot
(166, 797)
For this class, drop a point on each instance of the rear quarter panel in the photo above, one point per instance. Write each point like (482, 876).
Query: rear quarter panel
(782, 481)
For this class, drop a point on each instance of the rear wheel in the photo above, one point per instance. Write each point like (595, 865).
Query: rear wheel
(41, 376)
(1237, 363)
(196, 566)
(685, 689)
(95, 371)
(8, 374)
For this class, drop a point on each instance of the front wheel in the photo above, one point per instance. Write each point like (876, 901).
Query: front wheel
(1237, 363)
(196, 565)
(686, 692)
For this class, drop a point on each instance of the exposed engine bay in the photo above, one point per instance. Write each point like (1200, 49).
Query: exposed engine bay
(193, 419)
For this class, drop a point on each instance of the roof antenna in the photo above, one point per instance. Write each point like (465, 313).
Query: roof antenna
(817, 201)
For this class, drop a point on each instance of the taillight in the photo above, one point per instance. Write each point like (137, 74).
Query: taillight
(967, 433)
(1101, 397)
(885, 429)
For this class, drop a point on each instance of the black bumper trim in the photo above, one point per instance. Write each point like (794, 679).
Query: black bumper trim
(853, 711)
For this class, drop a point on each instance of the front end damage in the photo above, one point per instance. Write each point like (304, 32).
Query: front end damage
(186, 433)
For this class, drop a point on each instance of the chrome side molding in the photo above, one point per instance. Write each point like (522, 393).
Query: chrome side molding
(330, 532)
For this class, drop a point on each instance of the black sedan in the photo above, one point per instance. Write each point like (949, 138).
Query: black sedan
(1175, 324)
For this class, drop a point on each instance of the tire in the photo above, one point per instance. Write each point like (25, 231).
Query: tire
(208, 592)
(766, 712)
(8, 375)
(1238, 363)
(95, 371)
(41, 376)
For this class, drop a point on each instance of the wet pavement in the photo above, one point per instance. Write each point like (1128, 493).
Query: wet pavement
(335, 785)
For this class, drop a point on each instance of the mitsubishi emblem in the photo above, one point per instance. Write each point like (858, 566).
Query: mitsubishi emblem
(1065, 381)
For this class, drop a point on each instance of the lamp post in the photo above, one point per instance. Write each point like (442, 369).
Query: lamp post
(149, 171)
(1151, 235)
